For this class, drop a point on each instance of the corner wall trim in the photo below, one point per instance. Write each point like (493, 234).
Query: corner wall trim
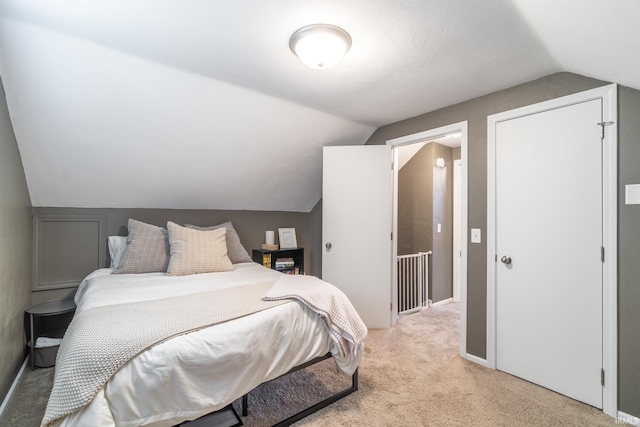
(476, 359)
(5, 402)
(443, 302)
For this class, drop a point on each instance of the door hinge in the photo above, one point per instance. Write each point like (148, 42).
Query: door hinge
(391, 165)
(602, 253)
(602, 377)
(602, 125)
(392, 235)
(496, 260)
(390, 306)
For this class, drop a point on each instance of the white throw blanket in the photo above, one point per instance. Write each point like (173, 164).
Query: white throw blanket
(99, 341)
(342, 321)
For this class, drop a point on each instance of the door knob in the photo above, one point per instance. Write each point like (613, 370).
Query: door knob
(506, 260)
(327, 245)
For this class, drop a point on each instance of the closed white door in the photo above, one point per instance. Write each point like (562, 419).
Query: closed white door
(548, 245)
(356, 228)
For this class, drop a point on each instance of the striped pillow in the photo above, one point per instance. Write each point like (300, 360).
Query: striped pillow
(196, 251)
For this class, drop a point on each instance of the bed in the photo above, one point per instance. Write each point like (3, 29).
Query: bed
(205, 368)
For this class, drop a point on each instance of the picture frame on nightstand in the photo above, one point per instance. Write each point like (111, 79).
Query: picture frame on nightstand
(287, 238)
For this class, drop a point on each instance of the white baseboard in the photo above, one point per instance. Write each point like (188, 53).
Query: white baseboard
(627, 419)
(476, 359)
(5, 402)
(443, 302)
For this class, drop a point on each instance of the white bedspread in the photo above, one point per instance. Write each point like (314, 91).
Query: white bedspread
(194, 374)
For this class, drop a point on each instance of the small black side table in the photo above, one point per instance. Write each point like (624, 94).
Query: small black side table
(269, 259)
(47, 319)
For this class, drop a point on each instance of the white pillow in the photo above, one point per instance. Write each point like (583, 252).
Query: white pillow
(117, 245)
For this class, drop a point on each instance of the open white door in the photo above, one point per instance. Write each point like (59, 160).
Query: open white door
(356, 228)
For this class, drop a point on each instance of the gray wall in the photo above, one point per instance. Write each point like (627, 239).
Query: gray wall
(475, 111)
(425, 199)
(457, 153)
(316, 245)
(415, 203)
(442, 258)
(628, 254)
(250, 226)
(15, 252)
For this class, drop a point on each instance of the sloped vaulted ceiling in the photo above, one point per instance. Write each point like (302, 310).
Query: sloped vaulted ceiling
(200, 104)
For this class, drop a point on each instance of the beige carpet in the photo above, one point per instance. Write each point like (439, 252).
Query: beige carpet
(411, 376)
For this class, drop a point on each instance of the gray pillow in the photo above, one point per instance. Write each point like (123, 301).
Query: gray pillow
(147, 249)
(237, 253)
(196, 251)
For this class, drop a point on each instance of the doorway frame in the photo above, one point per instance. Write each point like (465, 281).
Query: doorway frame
(608, 96)
(427, 135)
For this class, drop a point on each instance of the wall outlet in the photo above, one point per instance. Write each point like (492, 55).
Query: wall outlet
(632, 194)
(476, 236)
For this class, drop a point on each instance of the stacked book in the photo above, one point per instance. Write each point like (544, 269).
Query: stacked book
(266, 260)
(284, 263)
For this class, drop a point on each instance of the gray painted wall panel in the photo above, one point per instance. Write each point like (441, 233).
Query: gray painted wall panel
(250, 225)
(628, 254)
(457, 153)
(15, 252)
(415, 203)
(316, 245)
(51, 294)
(442, 258)
(66, 249)
(476, 112)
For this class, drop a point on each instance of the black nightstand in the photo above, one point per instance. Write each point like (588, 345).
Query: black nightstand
(275, 259)
(49, 319)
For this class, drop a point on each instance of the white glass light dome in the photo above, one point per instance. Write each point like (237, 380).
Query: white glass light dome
(320, 46)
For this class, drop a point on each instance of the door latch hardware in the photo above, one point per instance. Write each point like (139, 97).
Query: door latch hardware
(602, 125)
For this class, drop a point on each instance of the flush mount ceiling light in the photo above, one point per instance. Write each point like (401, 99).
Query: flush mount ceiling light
(320, 46)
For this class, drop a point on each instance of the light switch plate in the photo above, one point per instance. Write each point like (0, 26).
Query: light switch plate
(439, 228)
(632, 194)
(476, 235)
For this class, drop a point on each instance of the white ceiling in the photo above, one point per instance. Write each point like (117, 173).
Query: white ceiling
(201, 104)
(406, 152)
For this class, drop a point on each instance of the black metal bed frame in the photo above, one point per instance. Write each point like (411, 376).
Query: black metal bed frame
(314, 408)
